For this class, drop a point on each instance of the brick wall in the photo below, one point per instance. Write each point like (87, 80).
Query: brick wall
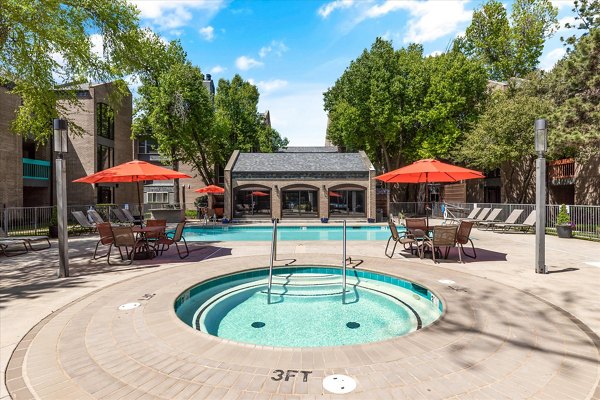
(11, 170)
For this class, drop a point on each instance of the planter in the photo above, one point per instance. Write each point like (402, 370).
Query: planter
(564, 231)
(225, 221)
(53, 231)
(324, 220)
(371, 220)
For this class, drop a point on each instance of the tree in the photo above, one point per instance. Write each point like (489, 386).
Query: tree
(46, 43)
(503, 138)
(239, 124)
(182, 119)
(587, 18)
(509, 49)
(398, 106)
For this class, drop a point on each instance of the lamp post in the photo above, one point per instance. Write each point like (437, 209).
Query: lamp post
(541, 135)
(60, 146)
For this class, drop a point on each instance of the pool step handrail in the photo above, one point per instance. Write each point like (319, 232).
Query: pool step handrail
(273, 258)
(344, 259)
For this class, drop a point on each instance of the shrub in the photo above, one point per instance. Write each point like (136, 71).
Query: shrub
(563, 217)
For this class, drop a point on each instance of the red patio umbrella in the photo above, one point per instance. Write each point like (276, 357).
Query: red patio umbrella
(259, 194)
(428, 171)
(133, 171)
(211, 189)
(334, 194)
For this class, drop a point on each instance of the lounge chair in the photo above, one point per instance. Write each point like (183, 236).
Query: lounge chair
(511, 219)
(469, 217)
(407, 239)
(120, 216)
(27, 240)
(524, 227)
(463, 237)
(123, 237)
(165, 242)
(84, 224)
(492, 217)
(443, 236)
(5, 245)
(130, 217)
(95, 217)
(481, 216)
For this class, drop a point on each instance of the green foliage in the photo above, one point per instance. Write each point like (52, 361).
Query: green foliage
(191, 213)
(509, 49)
(239, 124)
(201, 201)
(587, 19)
(563, 217)
(45, 43)
(398, 105)
(54, 217)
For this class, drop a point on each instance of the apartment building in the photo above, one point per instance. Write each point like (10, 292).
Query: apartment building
(26, 166)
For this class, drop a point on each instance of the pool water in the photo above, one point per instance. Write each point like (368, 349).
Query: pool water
(264, 233)
(307, 307)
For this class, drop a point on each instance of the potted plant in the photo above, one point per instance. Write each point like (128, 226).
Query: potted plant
(564, 225)
(53, 228)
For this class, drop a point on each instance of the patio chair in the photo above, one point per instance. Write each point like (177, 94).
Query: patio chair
(27, 240)
(4, 248)
(123, 237)
(469, 217)
(443, 236)
(155, 222)
(524, 227)
(463, 237)
(481, 216)
(120, 216)
(406, 239)
(165, 242)
(130, 217)
(95, 217)
(106, 238)
(511, 219)
(413, 224)
(492, 217)
(84, 224)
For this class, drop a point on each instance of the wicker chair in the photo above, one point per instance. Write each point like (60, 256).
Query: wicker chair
(123, 237)
(443, 236)
(165, 242)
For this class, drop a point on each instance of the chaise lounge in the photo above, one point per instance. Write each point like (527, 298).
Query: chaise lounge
(27, 240)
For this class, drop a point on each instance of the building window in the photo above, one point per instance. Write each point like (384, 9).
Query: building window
(105, 157)
(157, 197)
(105, 121)
(254, 202)
(347, 202)
(300, 203)
(147, 147)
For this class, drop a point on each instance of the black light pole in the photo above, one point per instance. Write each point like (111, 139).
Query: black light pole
(541, 135)
(60, 146)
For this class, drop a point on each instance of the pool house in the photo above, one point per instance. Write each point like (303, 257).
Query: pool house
(301, 183)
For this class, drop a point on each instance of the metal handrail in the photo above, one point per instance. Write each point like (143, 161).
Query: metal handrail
(344, 259)
(273, 258)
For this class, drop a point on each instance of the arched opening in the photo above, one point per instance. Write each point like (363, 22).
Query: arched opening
(252, 201)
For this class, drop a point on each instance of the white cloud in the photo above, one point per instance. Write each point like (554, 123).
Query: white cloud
(270, 86)
(551, 58)
(563, 21)
(173, 14)
(328, 8)
(97, 45)
(297, 113)
(434, 53)
(217, 69)
(245, 63)
(208, 33)
(560, 4)
(276, 47)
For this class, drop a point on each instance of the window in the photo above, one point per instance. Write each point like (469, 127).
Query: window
(105, 157)
(147, 147)
(105, 121)
(157, 197)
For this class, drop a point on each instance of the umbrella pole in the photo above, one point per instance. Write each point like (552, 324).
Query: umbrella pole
(426, 197)
(140, 211)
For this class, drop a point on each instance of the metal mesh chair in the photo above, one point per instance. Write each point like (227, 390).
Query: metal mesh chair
(123, 237)
(165, 242)
(407, 239)
(158, 223)
(84, 224)
(443, 236)
(462, 237)
(106, 238)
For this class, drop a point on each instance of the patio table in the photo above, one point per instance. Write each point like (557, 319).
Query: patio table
(142, 232)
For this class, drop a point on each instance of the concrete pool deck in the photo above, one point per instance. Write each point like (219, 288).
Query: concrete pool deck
(508, 332)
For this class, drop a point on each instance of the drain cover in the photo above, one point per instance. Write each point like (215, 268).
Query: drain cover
(339, 384)
(128, 306)
(352, 325)
(258, 324)
(446, 282)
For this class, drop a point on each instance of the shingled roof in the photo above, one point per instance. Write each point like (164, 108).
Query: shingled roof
(301, 162)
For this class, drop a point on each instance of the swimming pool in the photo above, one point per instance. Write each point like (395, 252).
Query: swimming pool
(307, 307)
(264, 233)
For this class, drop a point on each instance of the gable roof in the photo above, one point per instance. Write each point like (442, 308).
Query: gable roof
(301, 162)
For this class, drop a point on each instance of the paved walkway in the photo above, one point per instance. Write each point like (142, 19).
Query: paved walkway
(508, 332)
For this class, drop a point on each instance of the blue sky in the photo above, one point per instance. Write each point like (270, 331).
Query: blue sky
(294, 50)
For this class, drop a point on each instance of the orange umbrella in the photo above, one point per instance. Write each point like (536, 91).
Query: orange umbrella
(259, 194)
(211, 189)
(133, 171)
(429, 170)
(334, 194)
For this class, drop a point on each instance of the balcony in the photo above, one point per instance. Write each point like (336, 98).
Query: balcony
(36, 173)
(562, 172)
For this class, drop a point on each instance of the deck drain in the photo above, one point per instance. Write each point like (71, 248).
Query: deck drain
(446, 282)
(352, 325)
(339, 384)
(128, 306)
(258, 324)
